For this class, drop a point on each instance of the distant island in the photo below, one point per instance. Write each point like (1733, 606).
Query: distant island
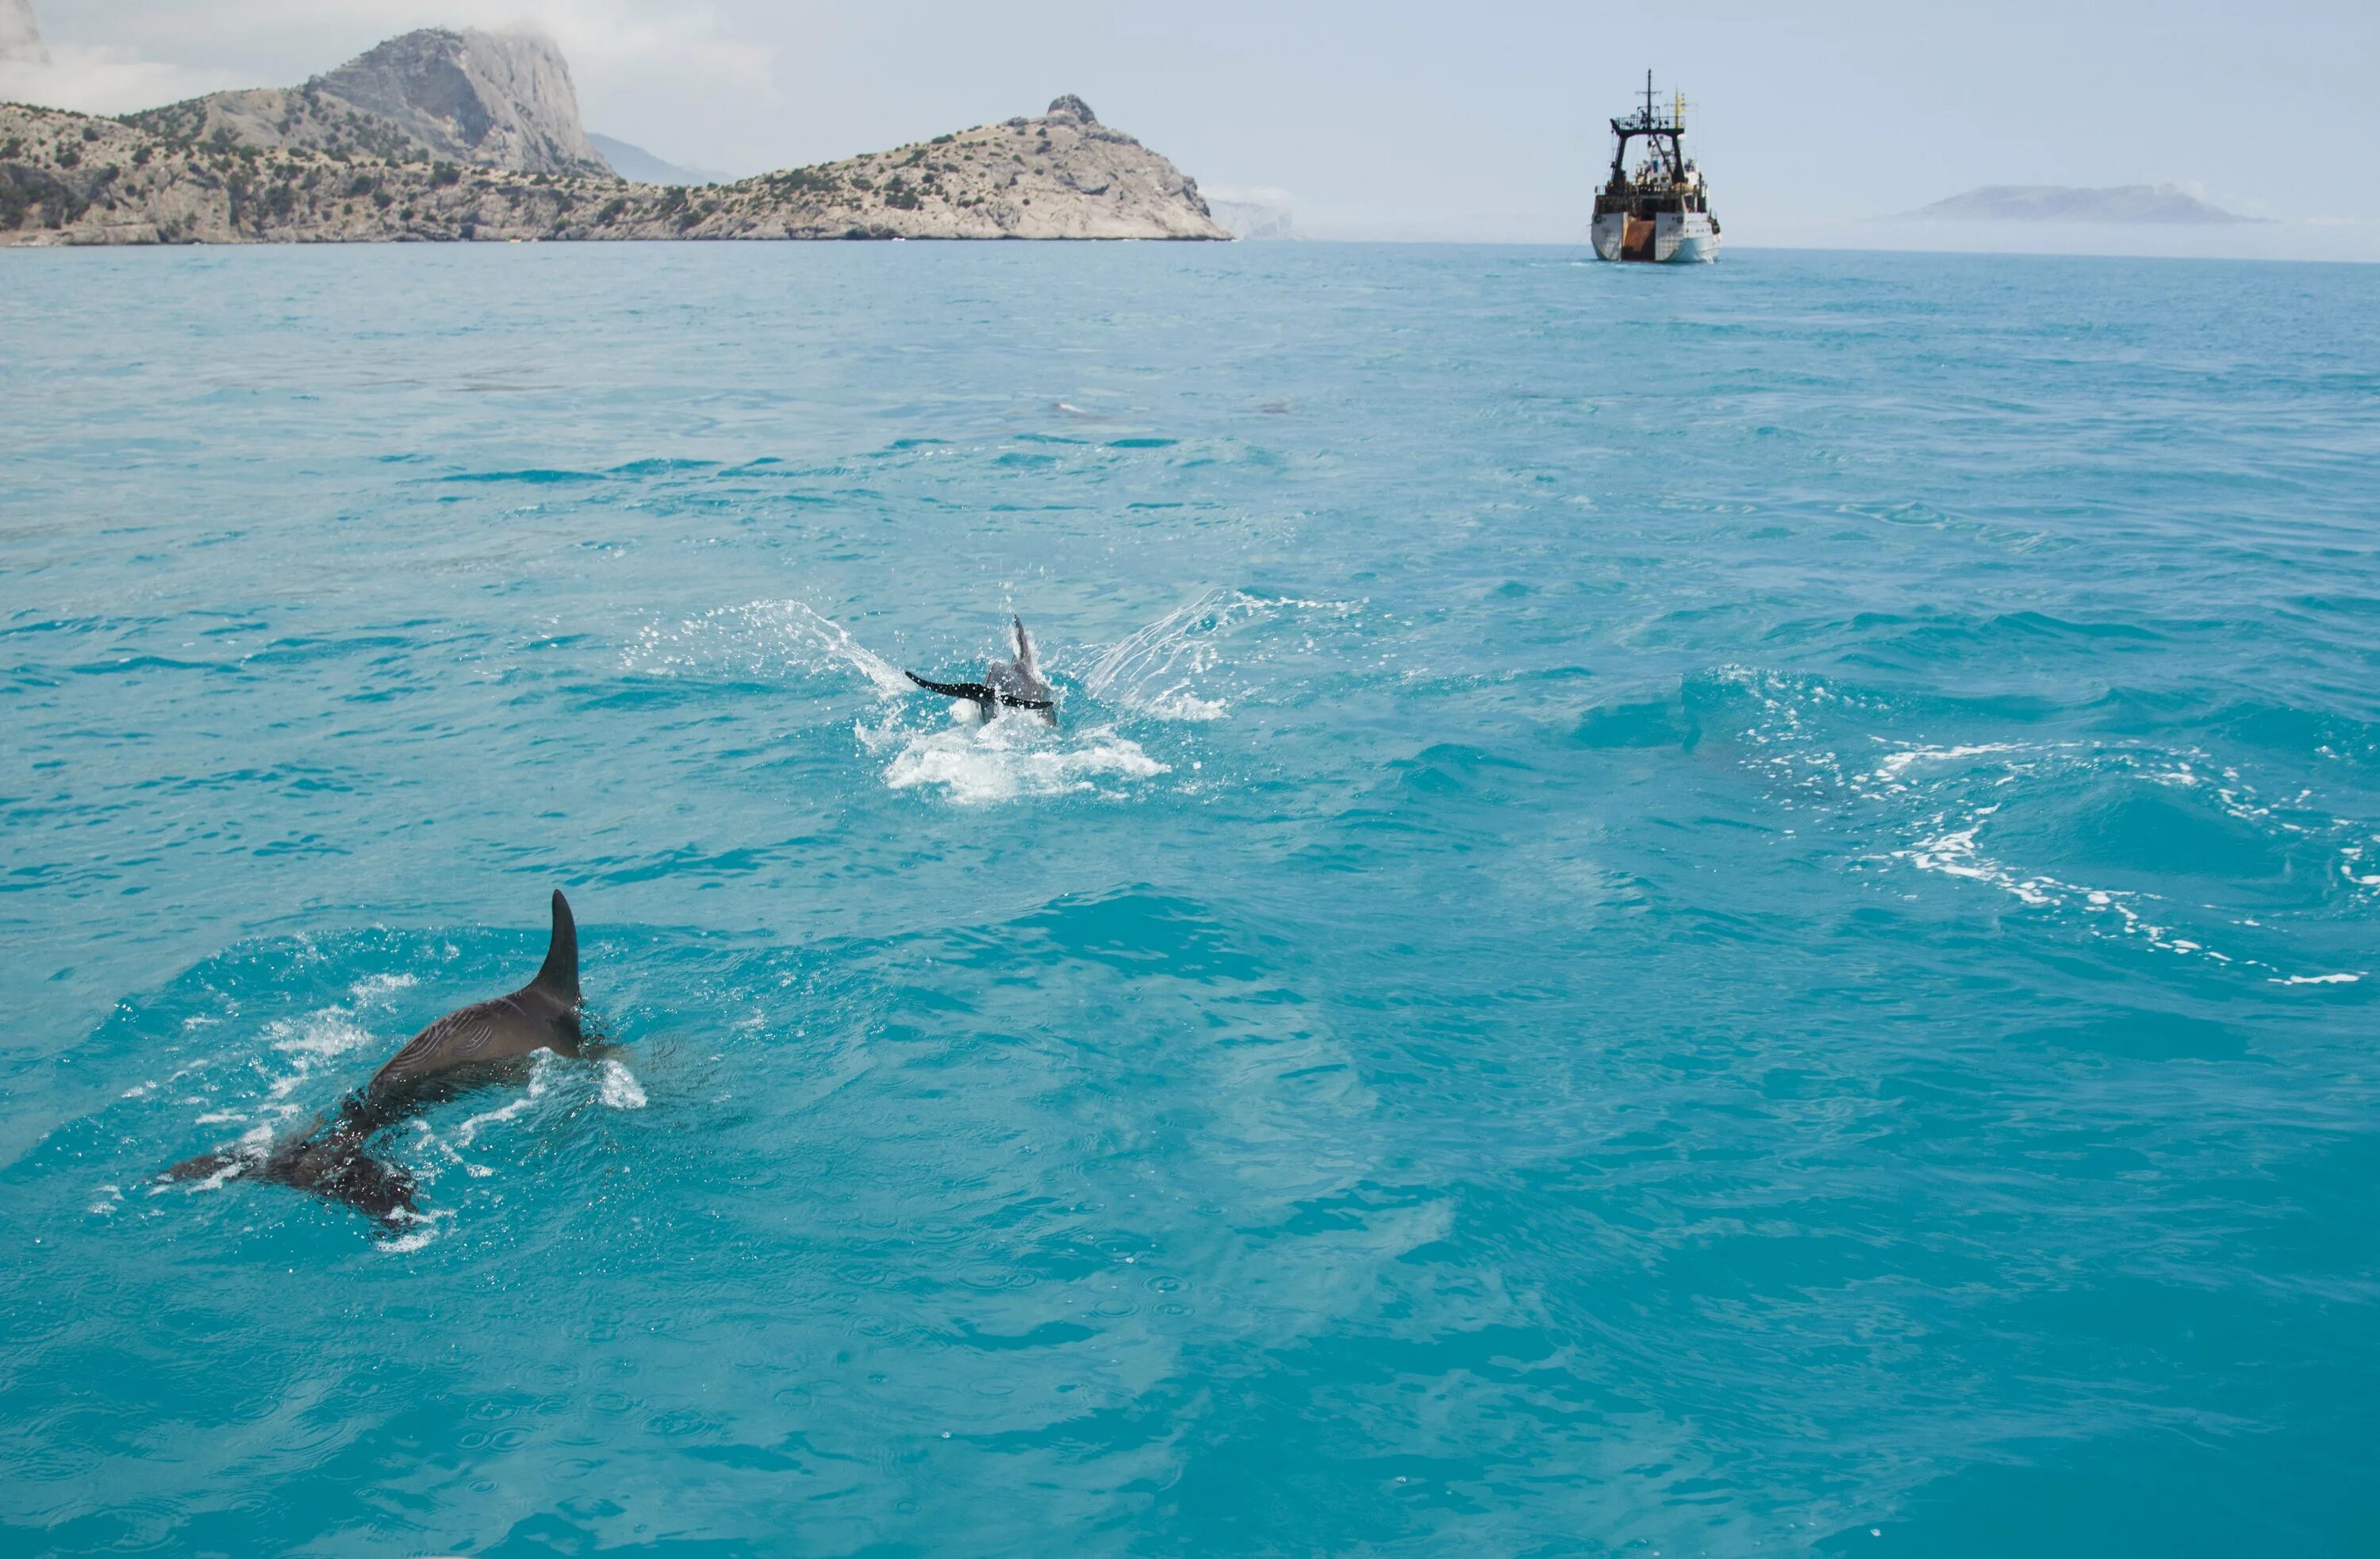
(469, 135)
(2125, 204)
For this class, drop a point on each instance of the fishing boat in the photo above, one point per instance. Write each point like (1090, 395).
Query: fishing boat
(1659, 210)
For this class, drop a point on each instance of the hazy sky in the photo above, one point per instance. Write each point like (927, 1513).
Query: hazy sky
(1480, 120)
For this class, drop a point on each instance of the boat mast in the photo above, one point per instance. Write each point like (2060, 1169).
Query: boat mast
(1659, 135)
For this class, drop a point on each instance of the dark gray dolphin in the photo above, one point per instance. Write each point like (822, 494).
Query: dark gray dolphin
(483, 1043)
(1016, 684)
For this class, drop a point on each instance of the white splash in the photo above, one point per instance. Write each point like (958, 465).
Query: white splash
(1014, 756)
(1152, 671)
(2317, 980)
(424, 1230)
(1180, 703)
(312, 1040)
(318, 1036)
(379, 987)
(1898, 763)
(760, 636)
(621, 1089)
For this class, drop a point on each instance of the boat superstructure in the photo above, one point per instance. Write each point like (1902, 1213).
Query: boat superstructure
(1658, 210)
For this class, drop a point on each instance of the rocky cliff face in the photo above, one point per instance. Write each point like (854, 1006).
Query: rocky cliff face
(499, 100)
(485, 99)
(337, 174)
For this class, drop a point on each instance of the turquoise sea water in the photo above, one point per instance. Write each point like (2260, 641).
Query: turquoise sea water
(1712, 912)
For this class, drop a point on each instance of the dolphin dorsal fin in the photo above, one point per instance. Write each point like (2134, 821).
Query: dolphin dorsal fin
(1028, 660)
(559, 978)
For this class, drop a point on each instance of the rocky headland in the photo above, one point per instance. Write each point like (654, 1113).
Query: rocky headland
(446, 135)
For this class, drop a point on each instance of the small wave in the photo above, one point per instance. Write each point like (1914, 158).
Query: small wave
(2107, 825)
(1954, 853)
(1009, 758)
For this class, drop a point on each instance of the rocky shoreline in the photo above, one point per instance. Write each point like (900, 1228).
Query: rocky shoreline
(379, 152)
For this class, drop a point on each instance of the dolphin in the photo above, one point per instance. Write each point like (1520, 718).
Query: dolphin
(1016, 684)
(485, 1042)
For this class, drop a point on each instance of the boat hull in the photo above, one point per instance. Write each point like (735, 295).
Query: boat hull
(1669, 238)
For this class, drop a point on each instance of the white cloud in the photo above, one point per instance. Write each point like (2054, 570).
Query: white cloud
(1249, 194)
(616, 48)
(601, 38)
(611, 39)
(101, 80)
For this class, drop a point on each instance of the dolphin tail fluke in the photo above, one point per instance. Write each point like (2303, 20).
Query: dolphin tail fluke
(341, 1169)
(559, 978)
(203, 1167)
(332, 1163)
(976, 690)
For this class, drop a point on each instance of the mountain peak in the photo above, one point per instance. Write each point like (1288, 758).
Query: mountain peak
(491, 99)
(498, 99)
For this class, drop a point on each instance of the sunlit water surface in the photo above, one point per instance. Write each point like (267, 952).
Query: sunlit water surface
(1711, 912)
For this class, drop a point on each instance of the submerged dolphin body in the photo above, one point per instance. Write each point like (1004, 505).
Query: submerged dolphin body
(487, 1041)
(1016, 684)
